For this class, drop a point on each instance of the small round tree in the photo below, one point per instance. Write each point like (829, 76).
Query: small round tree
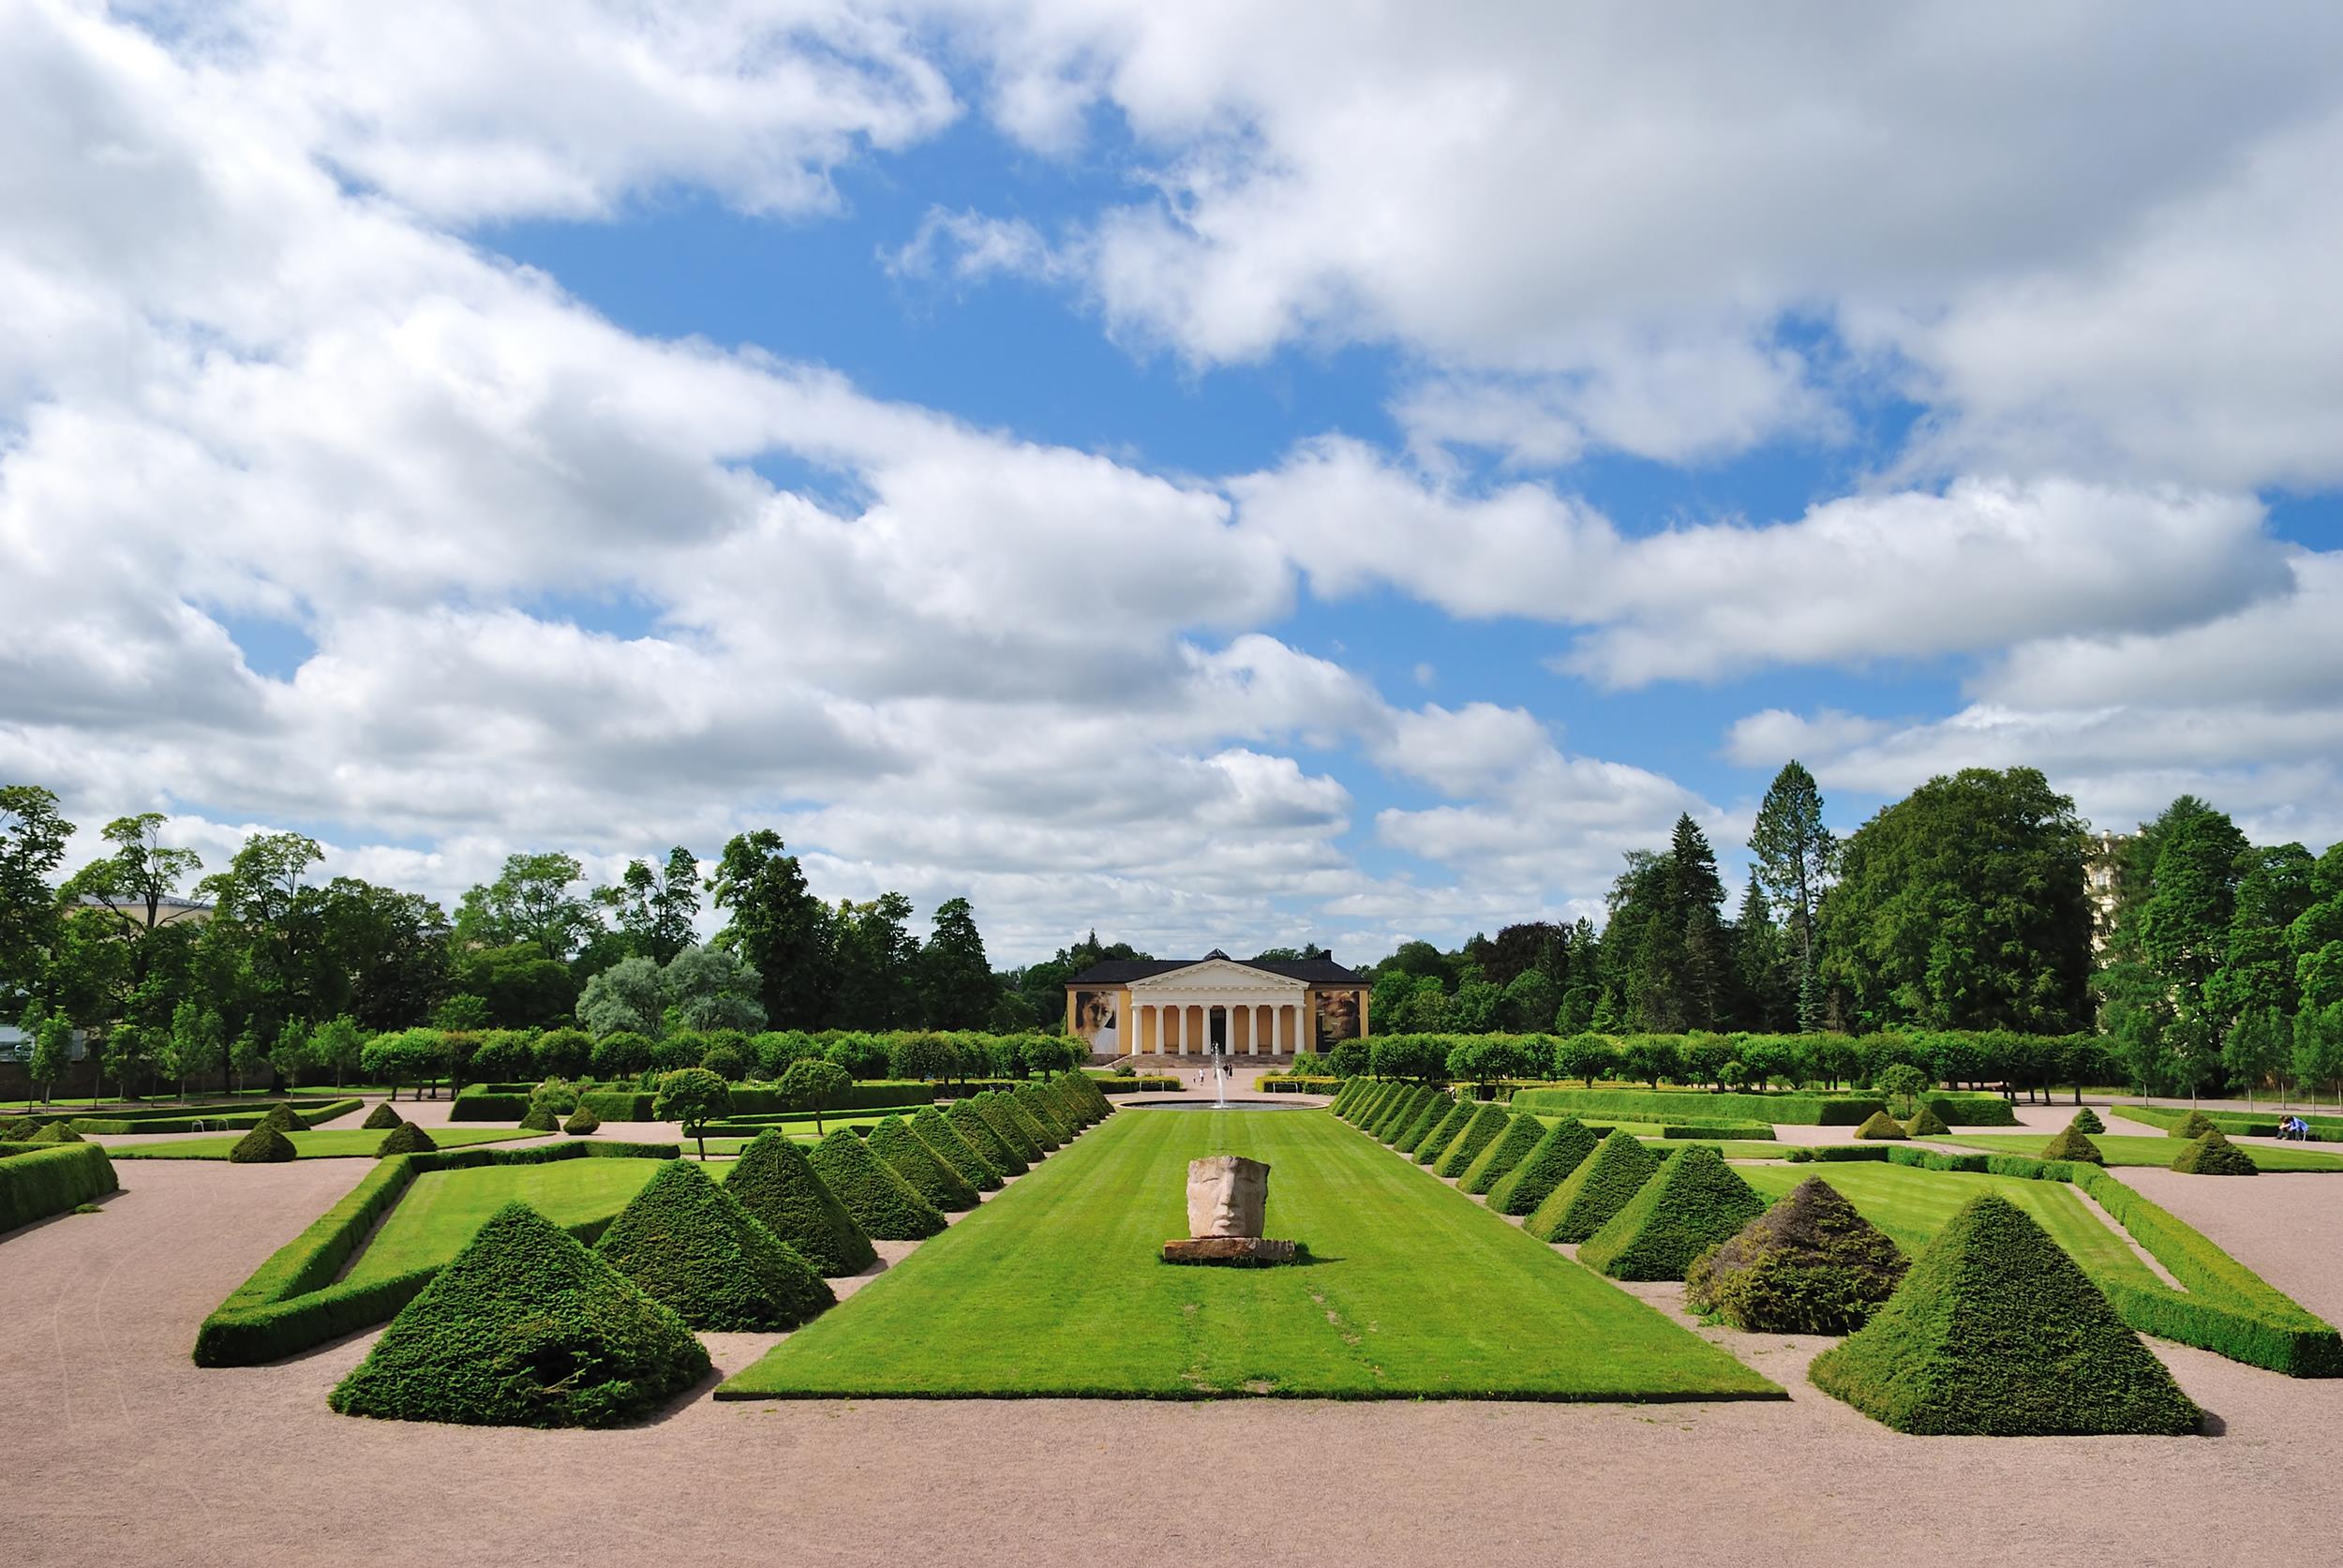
(1901, 1081)
(693, 1097)
(813, 1084)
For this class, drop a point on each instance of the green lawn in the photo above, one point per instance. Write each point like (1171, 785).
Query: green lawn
(1912, 1204)
(2158, 1149)
(441, 1209)
(333, 1143)
(1057, 1288)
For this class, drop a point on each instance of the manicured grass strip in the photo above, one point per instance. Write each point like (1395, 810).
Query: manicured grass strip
(1912, 1205)
(1409, 1290)
(442, 1210)
(337, 1143)
(2121, 1149)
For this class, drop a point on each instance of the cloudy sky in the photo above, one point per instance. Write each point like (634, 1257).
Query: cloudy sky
(1219, 473)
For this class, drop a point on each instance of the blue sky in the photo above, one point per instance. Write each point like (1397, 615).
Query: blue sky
(1213, 477)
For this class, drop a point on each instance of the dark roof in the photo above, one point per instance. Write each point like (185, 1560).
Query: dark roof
(1123, 971)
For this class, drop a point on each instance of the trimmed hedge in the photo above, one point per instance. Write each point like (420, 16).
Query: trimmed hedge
(619, 1105)
(1599, 1188)
(382, 1118)
(1809, 1265)
(1399, 1111)
(773, 1180)
(1502, 1154)
(2194, 1124)
(50, 1180)
(525, 1327)
(1881, 1126)
(887, 1207)
(1718, 1132)
(1995, 1332)
(191, 1118)
(476, 1105)
(284, 1118)
(1438, 1120)
(1488, 1120)
(1432, 1108)
(1035, 1101)
(2074, 1144)
(540, 1119)
(2087, 1120)
(1830, 1154)
(969, 1121)
(1927, 1124)
(56, 1132)
(264, 1146)
(2211, 1154)
(1693, 1202)
(894, 1141)
(936, 1130)
(2237, 1124)
(291, 1302)
(405, 1138)
(1000, 1114)
(690, 1244)
(582, 1123)
(1561, 1149)
(1798, 1109)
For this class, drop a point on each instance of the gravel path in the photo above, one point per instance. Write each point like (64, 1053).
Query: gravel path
(125, 1452)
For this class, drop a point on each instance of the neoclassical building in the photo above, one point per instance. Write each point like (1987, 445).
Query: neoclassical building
(1182, 1007)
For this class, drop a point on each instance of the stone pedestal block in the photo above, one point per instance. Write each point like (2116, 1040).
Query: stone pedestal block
(1227, 1249)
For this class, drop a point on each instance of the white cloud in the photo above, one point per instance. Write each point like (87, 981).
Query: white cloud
(969, 247)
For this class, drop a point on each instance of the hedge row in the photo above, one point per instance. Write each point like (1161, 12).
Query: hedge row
(290, 1302)
(1148, 1084)
(190, 1120)
(53, 1180)
(1656, 1105)
(485, 1106)
(1274, 1086)
(1754, 1132)
(2237, 1124)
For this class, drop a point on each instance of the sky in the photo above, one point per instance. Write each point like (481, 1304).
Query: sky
(1220, 475)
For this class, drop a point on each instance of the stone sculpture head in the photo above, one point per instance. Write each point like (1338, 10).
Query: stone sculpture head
(1228, 1195)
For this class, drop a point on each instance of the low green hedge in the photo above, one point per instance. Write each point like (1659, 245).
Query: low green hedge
(1835, 1154)
(190, 1120)
(1269, 1086)
(1719, 1133)
(290, 1302)
(1148, 1084)
(53, 1180)
(1795, 1109)
(496, 1107)
(2236, 1124)
(619, 1105)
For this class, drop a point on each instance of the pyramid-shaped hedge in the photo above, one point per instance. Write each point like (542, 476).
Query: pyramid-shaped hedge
(773, 1181)
(539, 1118)
(383, 1117)
(1402, 1112)
(2075, 1146)
(1995, 1332)
(284, 1118)
(1035, 1101)
(1599, 1188)
(525, 1327)
(58, 1132)
(1440, 1119)
(581, 1121)
(1810, 1264)
(1693, 1202)
(1371, 1107)
(690, 1244)
(263, 1145)
(1345, 1098)
(2087, 1120)
(1043, 1132)
(2213, 1155)
(1880, 1125)
(1927, 1124)
(887, 1207)
(404, 1139)
(894, 1141)
(2194, 1124)
(1444, 1134)
(968, 1163)
(1563, 1148)
(1502, 1154)
(969, 1121)
(1073, 1095)
(1487, 1121)
(1000, 1114)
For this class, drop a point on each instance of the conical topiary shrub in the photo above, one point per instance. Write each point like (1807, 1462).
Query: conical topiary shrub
(1504, 1153)
(2073, 1145)
(56, 1132)
(773, 1181)
(1488, 1120)
(887, 1207)
(1995, 1332)
(1810, 1264)
(1693, 1203)
(688, 1244)
(539, 1119)
(1563, 1148)
(2213, 1155)
(1035, 1101)
(1068, 1098)
(1001, 1116)
(1436, 1143)
(1371, 1105)
(2087, 1120)
(1927, 1124)
(2194, 1124)
(263, 1145)
(284, 1118)
(404, 1139)
(383, 1117)
(936, 1130)
(1041, 1134)
(970, 1123)
(1880, 1125)
(525, 1327)
(1599, 1188)
(894, 1141)
(1440, 1119)
(1402, 1112)
(581, 1121)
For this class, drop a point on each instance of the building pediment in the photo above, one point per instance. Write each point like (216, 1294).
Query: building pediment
(1219, 974)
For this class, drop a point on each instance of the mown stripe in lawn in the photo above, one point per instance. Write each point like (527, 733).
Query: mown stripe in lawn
(1056, 1286)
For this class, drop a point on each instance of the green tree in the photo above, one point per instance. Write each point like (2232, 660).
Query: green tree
(1961, 906)
(53, 1054)
(32, 845)
(337, 1044)
(657, 907)
(1764, 975)
(197, 1040)
(1902, 1083)
(708, 988)
(133, 882)
(387, 953)
(2257, 971)
(247, 1057)
(693, 1096)
(874, 956)
(122, 949)
(1531, 1002)
(2257, 1046)
(779, 927)
(629, 995)
(2318, 1059)
(955, 977)
(815, 1083)
(267, 920)
(1796, 855)
(291, 1056)
(530, 901)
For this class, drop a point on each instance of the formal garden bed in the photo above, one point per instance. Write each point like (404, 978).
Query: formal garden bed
(328, 1143)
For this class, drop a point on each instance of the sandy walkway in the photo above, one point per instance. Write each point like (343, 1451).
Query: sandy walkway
(127, 1453)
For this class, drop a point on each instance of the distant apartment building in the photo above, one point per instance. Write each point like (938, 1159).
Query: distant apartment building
(2104, 884)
